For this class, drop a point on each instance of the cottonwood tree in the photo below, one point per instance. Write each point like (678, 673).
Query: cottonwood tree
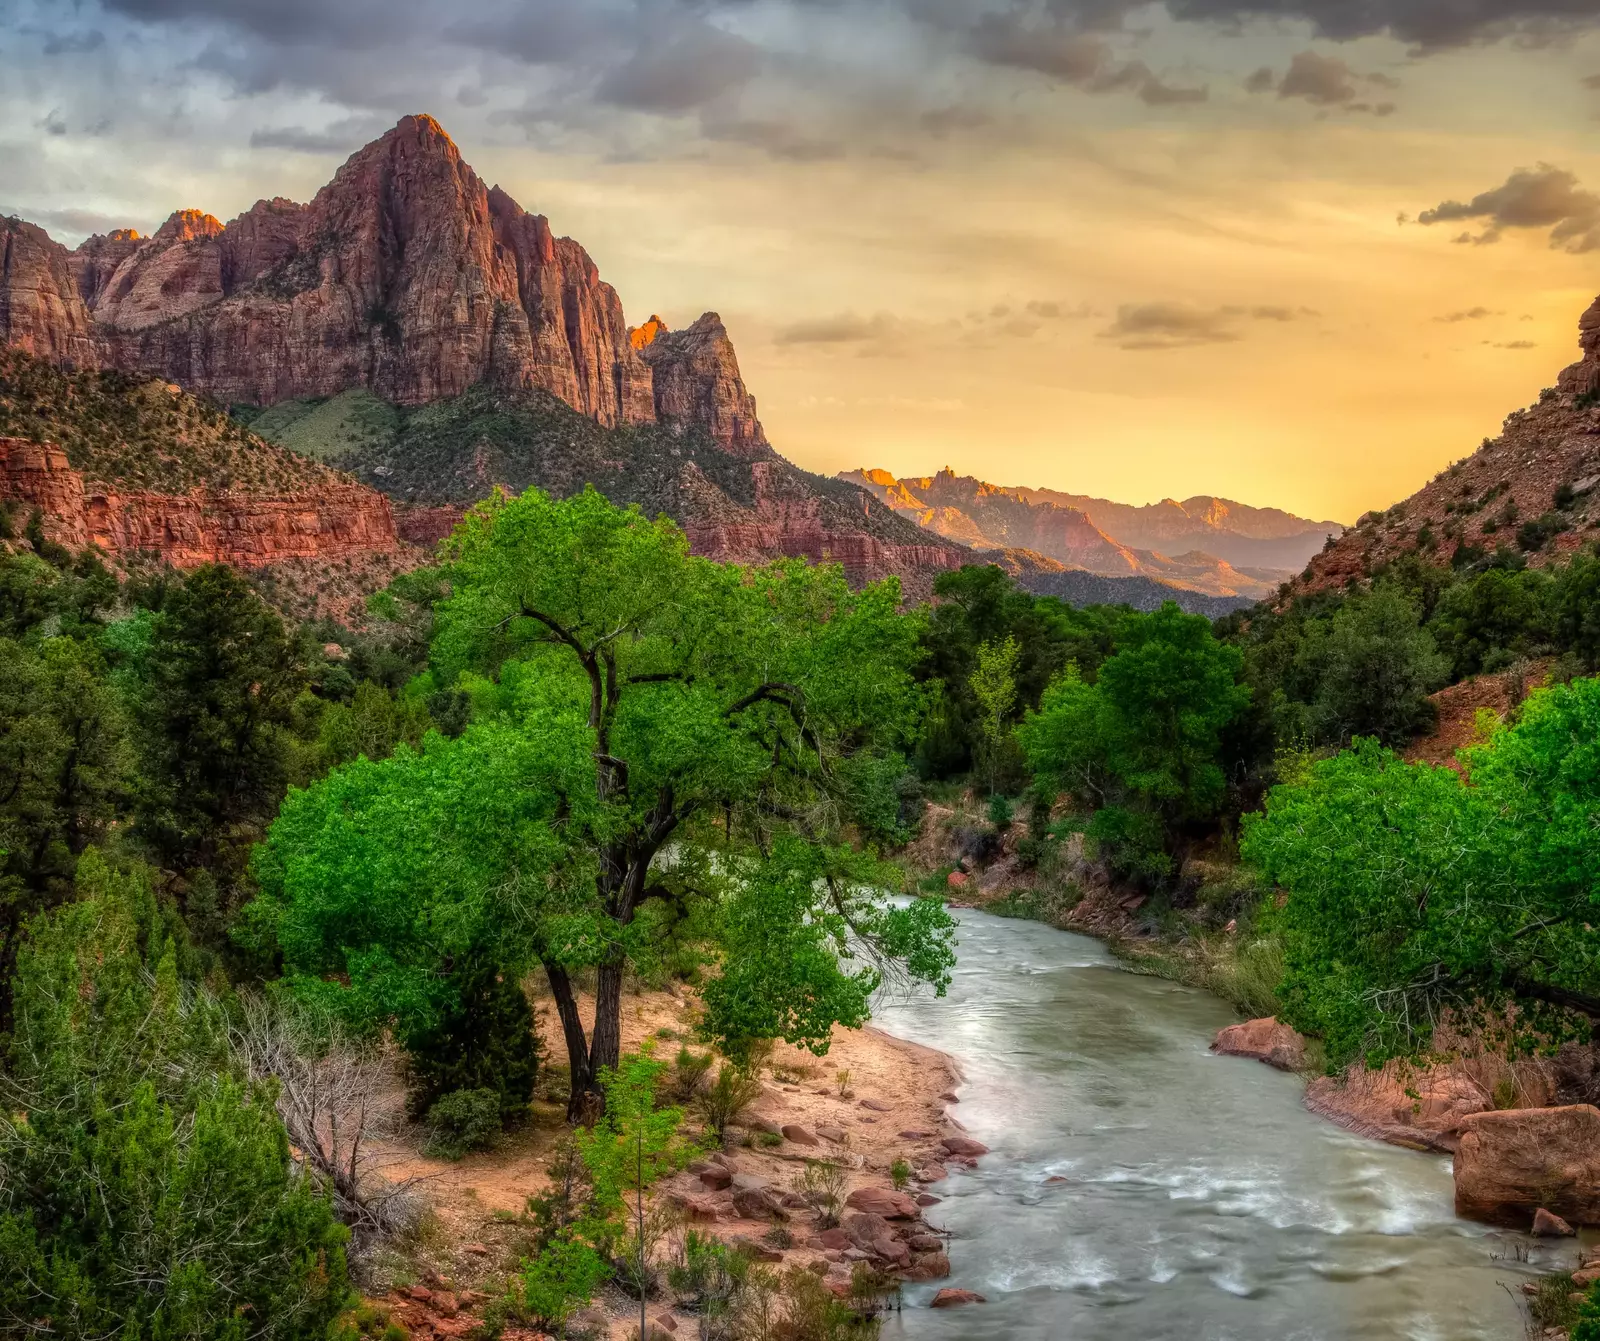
(1412, 892)
(662, 746)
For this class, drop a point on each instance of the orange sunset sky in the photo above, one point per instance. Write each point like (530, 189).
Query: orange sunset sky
(1300, 253)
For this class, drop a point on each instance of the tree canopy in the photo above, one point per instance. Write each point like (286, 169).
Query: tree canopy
(1412, 890)
(653, 734)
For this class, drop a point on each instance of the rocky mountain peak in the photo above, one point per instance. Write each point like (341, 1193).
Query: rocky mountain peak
(640, 336)
(181, 226)
(404, 276)
(1534, 490)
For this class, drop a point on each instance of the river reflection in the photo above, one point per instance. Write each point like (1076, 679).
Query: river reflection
(1141, 1187)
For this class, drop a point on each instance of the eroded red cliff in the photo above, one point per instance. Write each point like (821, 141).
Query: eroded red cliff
(336, 520)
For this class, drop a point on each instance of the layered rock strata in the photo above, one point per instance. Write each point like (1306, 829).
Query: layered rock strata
(337, 520)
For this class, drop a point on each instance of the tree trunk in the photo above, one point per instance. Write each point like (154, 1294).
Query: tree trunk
(605, 1049)
(583, 1091)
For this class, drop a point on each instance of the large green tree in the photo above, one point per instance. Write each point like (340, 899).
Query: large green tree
(636, 710)
(1411, 889)
(1145, 738)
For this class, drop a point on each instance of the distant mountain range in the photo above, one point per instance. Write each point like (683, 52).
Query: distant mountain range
(1204, 544)
(414, 338)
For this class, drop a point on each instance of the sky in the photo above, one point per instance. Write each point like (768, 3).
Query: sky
(1300, 253)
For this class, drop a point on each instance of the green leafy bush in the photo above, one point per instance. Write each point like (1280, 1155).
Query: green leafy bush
(463, 1121)
(726, 1099)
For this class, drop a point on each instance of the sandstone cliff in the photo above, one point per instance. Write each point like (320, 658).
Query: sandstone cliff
(337, 520)
(41, 311)
(405, 275)
(141, 469)
(1535, 489)
(697, 383)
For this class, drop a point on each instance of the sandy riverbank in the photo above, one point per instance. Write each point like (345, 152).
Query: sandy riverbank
(871, 1100)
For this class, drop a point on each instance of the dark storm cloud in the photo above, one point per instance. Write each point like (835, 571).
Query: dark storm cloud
(1145, 326)
(1531, 198)
(1424, 24)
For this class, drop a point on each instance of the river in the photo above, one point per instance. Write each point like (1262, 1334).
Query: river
(1197, 1198)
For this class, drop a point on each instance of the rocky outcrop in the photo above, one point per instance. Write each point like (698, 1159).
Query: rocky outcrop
(1264, 1040)
(1428, 1106)
(1544, 467)
(405, 275)
(41, 310)
(205, 526)
(1511, 1164)
(788, 520)
(697, 383)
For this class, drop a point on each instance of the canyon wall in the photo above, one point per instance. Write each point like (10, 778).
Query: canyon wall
(204, 526)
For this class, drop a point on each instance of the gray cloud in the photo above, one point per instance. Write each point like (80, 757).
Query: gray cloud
(686, 70)
(1469, 314)
(845, 328)
(1324, 81)
(1426, 25)
(73, 43)
(1065, 53)
(343, 136)
(1165, 325)
(1539, 197)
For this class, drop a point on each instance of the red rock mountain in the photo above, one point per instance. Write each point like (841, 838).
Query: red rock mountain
(488, 351)
(993, 517)
(1535, 489)
(405, 275)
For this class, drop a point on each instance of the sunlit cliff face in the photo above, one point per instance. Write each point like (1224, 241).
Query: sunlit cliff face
(1298, 252)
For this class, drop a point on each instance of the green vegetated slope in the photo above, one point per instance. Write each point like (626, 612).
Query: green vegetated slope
(140, 433)
(345, 425)
(456, 450)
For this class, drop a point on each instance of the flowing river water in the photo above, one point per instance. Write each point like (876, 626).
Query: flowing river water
(1141, 1187)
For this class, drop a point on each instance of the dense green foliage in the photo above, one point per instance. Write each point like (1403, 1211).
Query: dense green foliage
(1141, 746)
(981, 608)
(1412, 890)
(628, 702)
(148, 1191)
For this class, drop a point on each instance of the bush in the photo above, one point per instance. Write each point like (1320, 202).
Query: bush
(556, 1283)
(1000, 812)
(900, 1174)
(483, 1040)
(689, 1073)
(723, 1102)
(463, 1121)
(825, 1185)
